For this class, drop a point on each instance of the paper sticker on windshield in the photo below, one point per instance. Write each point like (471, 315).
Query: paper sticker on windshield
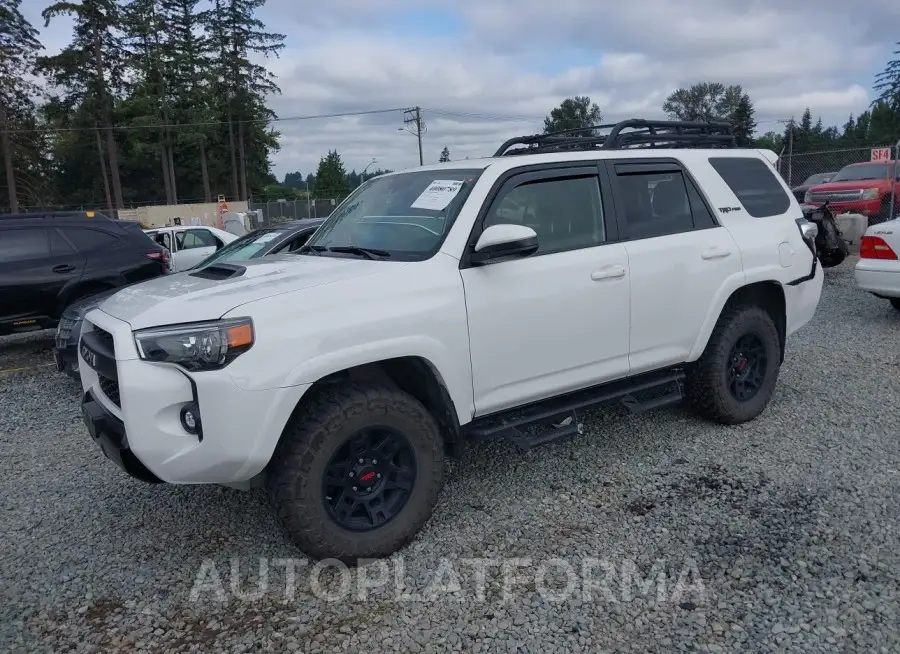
(438, 195)
(265, 238)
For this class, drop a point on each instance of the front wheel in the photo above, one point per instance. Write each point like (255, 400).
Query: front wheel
(734, 379)
(357, 475)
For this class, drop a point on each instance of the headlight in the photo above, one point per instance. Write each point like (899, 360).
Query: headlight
(196, 346)
(807, 197)
(870, 194)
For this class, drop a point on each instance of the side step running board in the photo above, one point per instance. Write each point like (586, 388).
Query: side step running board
(560, 415)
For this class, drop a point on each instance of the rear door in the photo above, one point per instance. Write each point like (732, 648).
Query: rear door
(192, 247)
(678, 255)
(36, 266)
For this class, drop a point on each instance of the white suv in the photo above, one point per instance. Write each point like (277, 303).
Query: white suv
(456, 301)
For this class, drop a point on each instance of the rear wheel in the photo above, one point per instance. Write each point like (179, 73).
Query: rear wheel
(357, 475)
(895, 302)
(734, 379)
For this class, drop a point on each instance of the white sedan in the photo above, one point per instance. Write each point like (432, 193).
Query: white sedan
(878, 270)
(190, 245)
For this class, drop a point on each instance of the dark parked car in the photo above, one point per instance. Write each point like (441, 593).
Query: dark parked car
(281, 238)
(49, 261)
(819, 178)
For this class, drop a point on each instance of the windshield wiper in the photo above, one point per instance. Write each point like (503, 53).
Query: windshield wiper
(368, 253)
(310, 249)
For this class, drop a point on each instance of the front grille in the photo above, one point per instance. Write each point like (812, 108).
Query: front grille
(836, 196)
(106, 338)
(110, 388)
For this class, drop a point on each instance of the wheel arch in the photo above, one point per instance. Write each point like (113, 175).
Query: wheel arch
(414, 375)
(767, 294)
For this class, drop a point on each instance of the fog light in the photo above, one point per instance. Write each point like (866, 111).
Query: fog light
(190, 419)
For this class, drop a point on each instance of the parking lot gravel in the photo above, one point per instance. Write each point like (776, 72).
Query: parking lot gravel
(646, 533)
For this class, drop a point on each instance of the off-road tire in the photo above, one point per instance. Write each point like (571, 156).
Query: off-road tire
(295, 473)
(895, 302)
(706, 386)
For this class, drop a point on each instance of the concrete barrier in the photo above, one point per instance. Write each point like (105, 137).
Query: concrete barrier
(852, 226)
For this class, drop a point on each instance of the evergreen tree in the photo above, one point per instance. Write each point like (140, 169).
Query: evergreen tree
(188, 53)
(331, 178)
(91, 70)
(887, 83)
(445, 155)
(742, 122)
(243, 85)
(21, 145)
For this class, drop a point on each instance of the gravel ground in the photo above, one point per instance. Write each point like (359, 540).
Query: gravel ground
(780, 535)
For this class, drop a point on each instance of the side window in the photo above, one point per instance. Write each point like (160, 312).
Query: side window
(566, 213)
(656, 204)
(86, 240)
(754, 183)
(163, 239)
(299, 242)
(59, 247)
(194, 238)
(703, 217)
(24, 245)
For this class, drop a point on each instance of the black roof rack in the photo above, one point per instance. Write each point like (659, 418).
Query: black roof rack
(633, 133)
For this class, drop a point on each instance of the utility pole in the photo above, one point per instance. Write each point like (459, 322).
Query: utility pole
(415, 126)
(790, 126)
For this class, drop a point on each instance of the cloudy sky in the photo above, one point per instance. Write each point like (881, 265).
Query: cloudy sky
(485, 70)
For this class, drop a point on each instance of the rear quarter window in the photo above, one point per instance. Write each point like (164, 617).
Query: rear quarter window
(754, 183)
(88, 240)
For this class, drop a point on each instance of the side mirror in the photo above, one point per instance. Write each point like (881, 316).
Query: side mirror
(503, 242)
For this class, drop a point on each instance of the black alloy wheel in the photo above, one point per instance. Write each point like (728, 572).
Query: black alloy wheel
(369, 478)
(748, 365)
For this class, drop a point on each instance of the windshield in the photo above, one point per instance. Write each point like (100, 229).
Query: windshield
(861, 172)
(820, 178)
(246, 247)
(401, 217)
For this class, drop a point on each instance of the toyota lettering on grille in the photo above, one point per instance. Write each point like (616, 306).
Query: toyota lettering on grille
(89, 357)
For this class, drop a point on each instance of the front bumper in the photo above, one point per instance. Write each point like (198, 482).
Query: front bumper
(240, 428)
(109, 433)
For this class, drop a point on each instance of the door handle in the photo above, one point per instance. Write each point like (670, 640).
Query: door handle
(716, 253)
(63, 268)
(609, 272)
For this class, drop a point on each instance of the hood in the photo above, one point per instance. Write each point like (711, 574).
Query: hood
(850, 185)
(184, 297)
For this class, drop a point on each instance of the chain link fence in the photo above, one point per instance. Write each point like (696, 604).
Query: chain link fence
(797, 168)
(276, 211)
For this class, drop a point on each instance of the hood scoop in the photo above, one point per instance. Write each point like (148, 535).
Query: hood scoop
(219, 271)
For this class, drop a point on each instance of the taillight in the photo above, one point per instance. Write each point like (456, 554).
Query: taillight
(162, 258)
(808, 231)
(875, 247)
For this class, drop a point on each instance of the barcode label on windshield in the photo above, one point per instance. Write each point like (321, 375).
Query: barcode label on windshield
(438, 195)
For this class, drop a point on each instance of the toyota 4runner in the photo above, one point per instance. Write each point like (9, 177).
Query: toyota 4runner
(645, 264)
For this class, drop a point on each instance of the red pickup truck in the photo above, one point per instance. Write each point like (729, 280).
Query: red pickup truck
(860, 188)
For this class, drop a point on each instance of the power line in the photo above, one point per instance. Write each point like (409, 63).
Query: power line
(345, 114)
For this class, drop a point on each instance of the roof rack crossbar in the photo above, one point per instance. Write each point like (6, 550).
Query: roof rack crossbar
(633, 133)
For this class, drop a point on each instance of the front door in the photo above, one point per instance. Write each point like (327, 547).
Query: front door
(558, 320)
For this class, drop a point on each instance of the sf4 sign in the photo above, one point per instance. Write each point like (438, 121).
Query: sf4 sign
(881, 154)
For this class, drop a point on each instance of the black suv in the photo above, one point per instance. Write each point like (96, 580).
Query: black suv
(49, 261)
